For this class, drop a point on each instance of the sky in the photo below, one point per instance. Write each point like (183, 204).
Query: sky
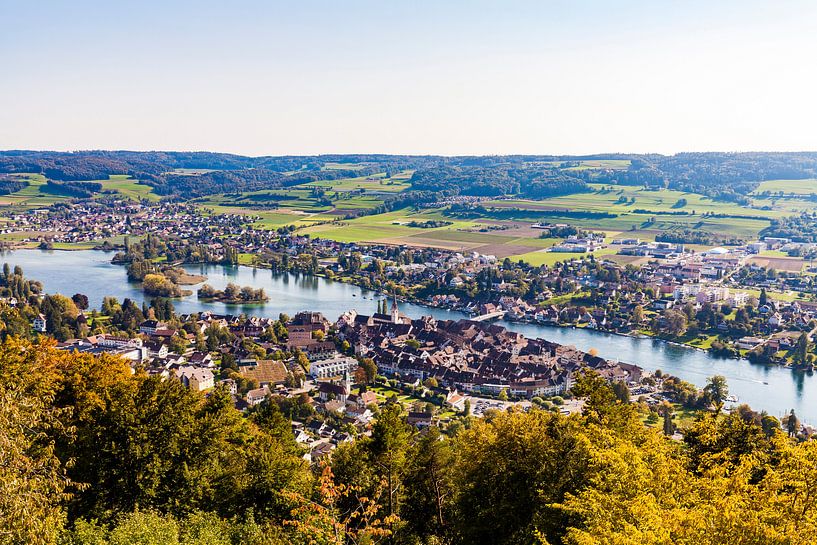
(410, 77)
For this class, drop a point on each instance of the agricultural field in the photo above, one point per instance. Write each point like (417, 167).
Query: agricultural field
(128, 187)
(343, 166)
(630, 199)
(644, 213)
(542, 257)
(377, 183)
(589, 164)
(599, 164)
(788, 187)
(35, 195)
(461, 235)
(38, 194)
(787, 264)
(304, 205)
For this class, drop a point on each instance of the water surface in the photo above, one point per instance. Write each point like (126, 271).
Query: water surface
(771, 388)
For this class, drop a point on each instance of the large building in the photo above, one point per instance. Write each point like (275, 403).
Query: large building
(332, 367)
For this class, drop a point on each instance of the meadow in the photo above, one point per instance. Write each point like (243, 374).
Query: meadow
(36, 195)
(128, 187)
(794, 187)
(323, 209)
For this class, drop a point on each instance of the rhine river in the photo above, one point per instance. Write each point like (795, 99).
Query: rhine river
(770, 388)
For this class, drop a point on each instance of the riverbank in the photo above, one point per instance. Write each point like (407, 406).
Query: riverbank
(774, 389)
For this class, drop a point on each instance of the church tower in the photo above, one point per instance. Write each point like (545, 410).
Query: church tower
(395, 313)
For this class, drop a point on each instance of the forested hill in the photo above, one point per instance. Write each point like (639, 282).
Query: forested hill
(191, 174)
(93, 454)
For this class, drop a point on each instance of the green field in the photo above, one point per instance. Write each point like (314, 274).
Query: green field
(588, 164)
(35, 195)
(793, 187)
(301, 206)
(368, 184)
(320, 208)
(38, 194)
(128, 187)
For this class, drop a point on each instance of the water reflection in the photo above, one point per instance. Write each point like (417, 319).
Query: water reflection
(774, 389)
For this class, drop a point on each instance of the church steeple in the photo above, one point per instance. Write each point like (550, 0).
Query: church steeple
(395, 313)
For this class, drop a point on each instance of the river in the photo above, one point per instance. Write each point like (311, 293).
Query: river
(770, 388)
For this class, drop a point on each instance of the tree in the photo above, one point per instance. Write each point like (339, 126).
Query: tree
(302, 360)
(621, 391)
(145, 528)
(801, 349)
(32, 481)
(638, 314)
(792, 424)
(717, 390)
(429, 487)
(669, 427)
(676, 322)
(388, 448)
(80, 300)
(370, 368)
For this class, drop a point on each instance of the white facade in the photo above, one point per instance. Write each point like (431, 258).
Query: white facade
(332, 367)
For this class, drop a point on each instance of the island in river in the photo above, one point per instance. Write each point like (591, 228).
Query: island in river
(233, 294)
(772, 388)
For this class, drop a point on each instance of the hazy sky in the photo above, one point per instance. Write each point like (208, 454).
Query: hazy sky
(442, 77)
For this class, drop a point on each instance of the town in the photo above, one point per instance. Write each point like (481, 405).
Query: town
(730, 300)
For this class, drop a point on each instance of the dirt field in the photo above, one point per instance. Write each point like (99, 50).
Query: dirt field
(502, 250)
(788, 264)
(637, 260)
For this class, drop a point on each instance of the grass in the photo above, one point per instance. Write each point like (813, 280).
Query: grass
(792, 187)
(369, 184)
(551, 258)
(128, 187)
(35, 195)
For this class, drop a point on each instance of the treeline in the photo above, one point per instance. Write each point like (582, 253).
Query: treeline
(533, 182)
(802, 228)
(81, 190)
(233, 293)
(467, 210)
(726, 176)
(10, 185)
(93, 454)
(696, 236)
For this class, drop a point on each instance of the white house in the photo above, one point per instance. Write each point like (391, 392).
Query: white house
(40, 323)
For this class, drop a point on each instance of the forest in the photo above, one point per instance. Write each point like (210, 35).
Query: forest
(93, 454)
(727, 176)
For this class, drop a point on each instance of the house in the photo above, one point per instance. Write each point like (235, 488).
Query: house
(775, 320)
(419, 420)
(363, 399)
(254, 397)
(321, 451)
(195, 378)
(149, 327)
(230, 385)
(330, 390)
(157, 349)
(748, 343)
(455, 400)
(40, 323)
(334, 406)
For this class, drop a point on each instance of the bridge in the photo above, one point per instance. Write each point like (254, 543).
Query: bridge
(490, 316)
